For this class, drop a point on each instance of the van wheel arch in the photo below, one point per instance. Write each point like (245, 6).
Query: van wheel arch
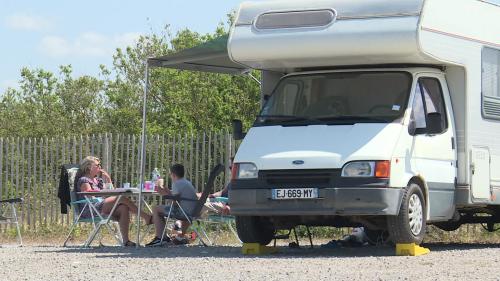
(409, 225)
(425, 191)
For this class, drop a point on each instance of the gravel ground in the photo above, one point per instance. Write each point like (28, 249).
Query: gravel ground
(445, 262)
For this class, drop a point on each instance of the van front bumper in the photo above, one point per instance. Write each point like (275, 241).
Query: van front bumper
(342, 201)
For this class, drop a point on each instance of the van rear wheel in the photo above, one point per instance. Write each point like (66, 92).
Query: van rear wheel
(254, 229)
(409, 225)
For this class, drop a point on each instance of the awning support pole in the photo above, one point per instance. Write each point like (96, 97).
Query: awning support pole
(143, 150)
(254, 78)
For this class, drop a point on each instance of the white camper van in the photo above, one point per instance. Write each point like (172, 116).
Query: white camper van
(378, 113)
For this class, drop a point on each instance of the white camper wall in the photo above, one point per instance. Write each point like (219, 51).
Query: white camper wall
(455, 78)
(455, 32)
(361, 32)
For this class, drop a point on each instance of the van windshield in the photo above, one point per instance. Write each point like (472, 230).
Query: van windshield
(337, 98)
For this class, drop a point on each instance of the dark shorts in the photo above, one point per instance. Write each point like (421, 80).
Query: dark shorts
(175, 213)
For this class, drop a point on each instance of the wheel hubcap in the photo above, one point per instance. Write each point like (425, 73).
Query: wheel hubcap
(415, 214)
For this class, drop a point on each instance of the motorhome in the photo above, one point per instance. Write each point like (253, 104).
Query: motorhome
(378, 113)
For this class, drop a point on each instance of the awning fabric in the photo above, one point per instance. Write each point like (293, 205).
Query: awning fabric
(211, 56)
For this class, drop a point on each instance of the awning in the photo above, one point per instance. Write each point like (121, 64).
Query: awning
(211, 56)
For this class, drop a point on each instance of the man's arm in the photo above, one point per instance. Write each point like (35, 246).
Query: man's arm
(164, 190)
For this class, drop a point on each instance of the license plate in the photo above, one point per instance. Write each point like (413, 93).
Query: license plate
(294, 193)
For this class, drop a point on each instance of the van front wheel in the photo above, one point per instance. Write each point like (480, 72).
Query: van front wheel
(254, 229)
(409, 225)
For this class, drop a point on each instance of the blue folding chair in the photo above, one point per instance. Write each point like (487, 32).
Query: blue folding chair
(195, 216)
(79, 207)
(223, 219)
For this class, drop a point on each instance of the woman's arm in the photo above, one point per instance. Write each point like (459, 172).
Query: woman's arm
(215, 194)
(85, 187)
(219, 193)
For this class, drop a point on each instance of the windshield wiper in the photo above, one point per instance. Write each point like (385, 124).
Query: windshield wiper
(287, 118)
(281, 117)
(304, 120)
(351, 118)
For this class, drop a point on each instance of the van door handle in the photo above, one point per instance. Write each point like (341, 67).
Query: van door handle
(453, 143)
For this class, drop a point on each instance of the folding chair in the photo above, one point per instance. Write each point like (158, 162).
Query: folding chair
(223, 219)
(7, 217)
(78, 210)
(195, 215)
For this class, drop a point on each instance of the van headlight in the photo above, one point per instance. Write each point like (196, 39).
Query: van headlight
(377, 169)
(247, 171)
(359, 169)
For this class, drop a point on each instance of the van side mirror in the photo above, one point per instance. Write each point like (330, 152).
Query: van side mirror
(434, 123)
(238, 130)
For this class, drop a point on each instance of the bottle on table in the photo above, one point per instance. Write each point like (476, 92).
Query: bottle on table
(155, 176)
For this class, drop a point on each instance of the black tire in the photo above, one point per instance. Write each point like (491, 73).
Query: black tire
(409, 225)
(254, 229)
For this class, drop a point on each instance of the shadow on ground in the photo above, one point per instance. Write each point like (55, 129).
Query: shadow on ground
(235, 251)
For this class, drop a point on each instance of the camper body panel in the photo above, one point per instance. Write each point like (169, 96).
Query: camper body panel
(346, 42)
(476, 135)
(344, 9)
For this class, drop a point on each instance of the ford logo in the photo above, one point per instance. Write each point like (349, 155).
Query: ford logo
(298, 162)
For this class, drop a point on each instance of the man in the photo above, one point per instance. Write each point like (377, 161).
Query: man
(183, 188)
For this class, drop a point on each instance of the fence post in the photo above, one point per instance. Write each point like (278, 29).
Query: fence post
(1, 167)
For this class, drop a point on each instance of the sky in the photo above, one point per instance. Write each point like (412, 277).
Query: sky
(85, 34)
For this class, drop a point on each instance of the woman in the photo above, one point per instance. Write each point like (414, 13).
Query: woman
(86, 180)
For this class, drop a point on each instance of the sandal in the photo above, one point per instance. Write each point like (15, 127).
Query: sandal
(129, 244)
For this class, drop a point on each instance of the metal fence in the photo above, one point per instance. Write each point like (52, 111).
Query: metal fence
(30, 167)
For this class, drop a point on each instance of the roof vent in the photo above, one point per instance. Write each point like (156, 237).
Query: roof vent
(295, 19)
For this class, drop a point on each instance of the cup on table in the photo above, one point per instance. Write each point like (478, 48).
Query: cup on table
(126, 185)
(147, 185)
(159, 183)
(108, 185)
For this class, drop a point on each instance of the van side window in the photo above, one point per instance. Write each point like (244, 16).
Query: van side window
(418, 111)
(428, 99)
(490, 81)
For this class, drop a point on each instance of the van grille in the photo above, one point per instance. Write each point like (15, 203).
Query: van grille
(299, 177)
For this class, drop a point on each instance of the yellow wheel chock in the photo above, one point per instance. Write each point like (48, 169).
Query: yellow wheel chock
(257, 249)
(411, 250)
